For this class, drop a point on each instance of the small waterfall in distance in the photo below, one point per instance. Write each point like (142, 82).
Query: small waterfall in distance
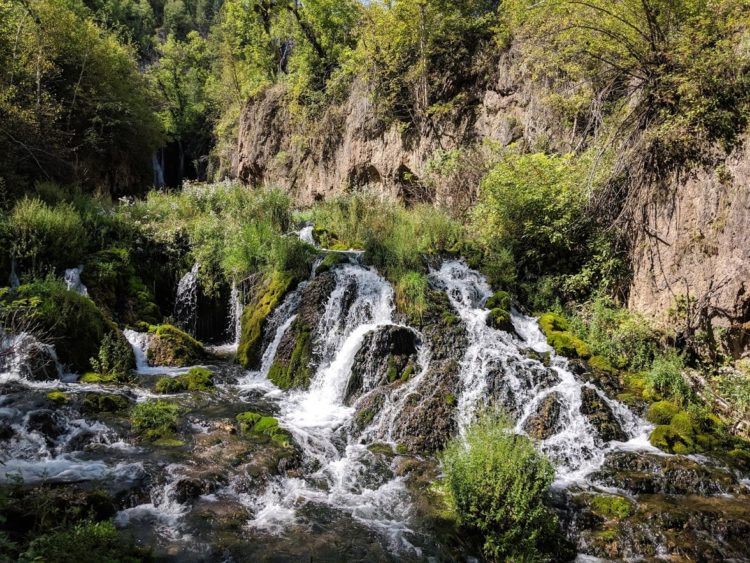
(186, 300)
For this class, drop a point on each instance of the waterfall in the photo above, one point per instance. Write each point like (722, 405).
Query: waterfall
(495, 368)
(156, 163)
(73, 281)
(139, 342)
(186, 300)
(23, 356)
(316, 418)
(306, 235)
(13, 280)
(236, 305)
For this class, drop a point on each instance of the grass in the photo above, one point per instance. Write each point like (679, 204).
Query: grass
(155, 420)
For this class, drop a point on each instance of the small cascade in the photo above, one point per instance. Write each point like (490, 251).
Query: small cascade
(13, 280)
(139, 342)
(236, 305)
(23, 356)
(306, 235)
(186, 300)
(496, 369)
(156, 164)
(73, 281)
(361, 302)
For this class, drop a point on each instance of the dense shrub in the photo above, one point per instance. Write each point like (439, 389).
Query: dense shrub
(155, 420)
(665, 377)
(498, 482)
(115, 358)
(44, 236)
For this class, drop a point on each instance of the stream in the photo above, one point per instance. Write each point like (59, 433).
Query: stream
(337, 497)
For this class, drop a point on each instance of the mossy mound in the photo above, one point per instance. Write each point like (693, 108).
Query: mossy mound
(196, 379)
(58, 397)
(661, 412)
(298, 370)
(115, 287)
(173, 347)
(94, 403)
(259, 426)
(557, 330)
(70, 321)
(499, 305)
(611, 507)
(267, 296)
(330, 261)
(155, 420)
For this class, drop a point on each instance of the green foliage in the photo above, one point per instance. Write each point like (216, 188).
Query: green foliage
(661, 412)
(498, 482)
(44, 236)
(58, 397)
(115, 358)
(69, 321)
(610, 506)
(257, 425)
(196, 379)
(154, 420)
(297, 372)
(86, 542)
(75, 106)
(557, 330)
(411, 299)
(665, 377)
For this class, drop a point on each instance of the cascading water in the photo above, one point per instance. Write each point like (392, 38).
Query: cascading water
(186, 300)
(306, 235)
(73, 281)
(317, 419)
(236, 305)
(519, 383)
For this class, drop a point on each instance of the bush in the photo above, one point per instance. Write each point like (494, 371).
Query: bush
(665, 377)
(411, 295)
(154, 420)
(498, 482)
(46, 236)
(115, 358)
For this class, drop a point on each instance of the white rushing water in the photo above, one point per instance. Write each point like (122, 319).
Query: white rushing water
(520, 383)
(186, 300)
(317, 419)
(139, 342)
(73, 281)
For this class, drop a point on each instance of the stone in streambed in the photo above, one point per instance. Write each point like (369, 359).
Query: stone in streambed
(173, 347)
(387, 355)
(545, 422)
(600, 416)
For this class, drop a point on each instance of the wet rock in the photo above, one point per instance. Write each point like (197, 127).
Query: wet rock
(642, 473)
(600, 416)
(295, 360)
(80, 441)
(529, 376)
(387, 354)
(545, 422)
(28, 357)
(6, 431)
(46, 423)
(170, 346)
(189, 488)
(368, 408)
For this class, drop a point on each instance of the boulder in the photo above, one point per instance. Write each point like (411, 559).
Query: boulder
(387, 355)
(170, 346)
(545, 421)
(600, 416)
(47, 423)
(25, 355)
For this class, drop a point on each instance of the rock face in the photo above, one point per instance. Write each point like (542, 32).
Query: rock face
(601, 416)
(295, 360)
(695, 244)
(387, 355)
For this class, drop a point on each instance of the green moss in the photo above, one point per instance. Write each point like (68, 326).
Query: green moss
(154, 420)
(73, 322)
(92, 377)
(168, 442)
(499, 300)
(661, 412)
(173, 347)
(600, 363)
(450, 319)
(408, 372)
(104, 402)
(268, 295)
(58, 397)
(450, 399)
(565, 343)
(609, 506)
(257, 425)
(331, 260)
(669, 440)
(196, 379)
(365, 417)
(499, 319)
(381, 448)
(296, 373)
(402, 449)
(682, 423)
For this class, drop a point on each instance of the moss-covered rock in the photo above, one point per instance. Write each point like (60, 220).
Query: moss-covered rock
(70, 321)
(545, 421)
(257, 425)
(600, 415)
(661, 412)
(155, 420)
(611, 506)
(330, 261)
(557, 330)
(58, 397)
(114, 285)
(267, 295)
(94, 403)
(295, 361)
(668, 439)
(170, 346)
(196, 379)
(499, 316)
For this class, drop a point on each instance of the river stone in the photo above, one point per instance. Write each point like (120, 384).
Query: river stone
(545, 421)
(24, 353)
(642, 473)
(6, 431)
(46, 423)
(601, 416)
(388, 354)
